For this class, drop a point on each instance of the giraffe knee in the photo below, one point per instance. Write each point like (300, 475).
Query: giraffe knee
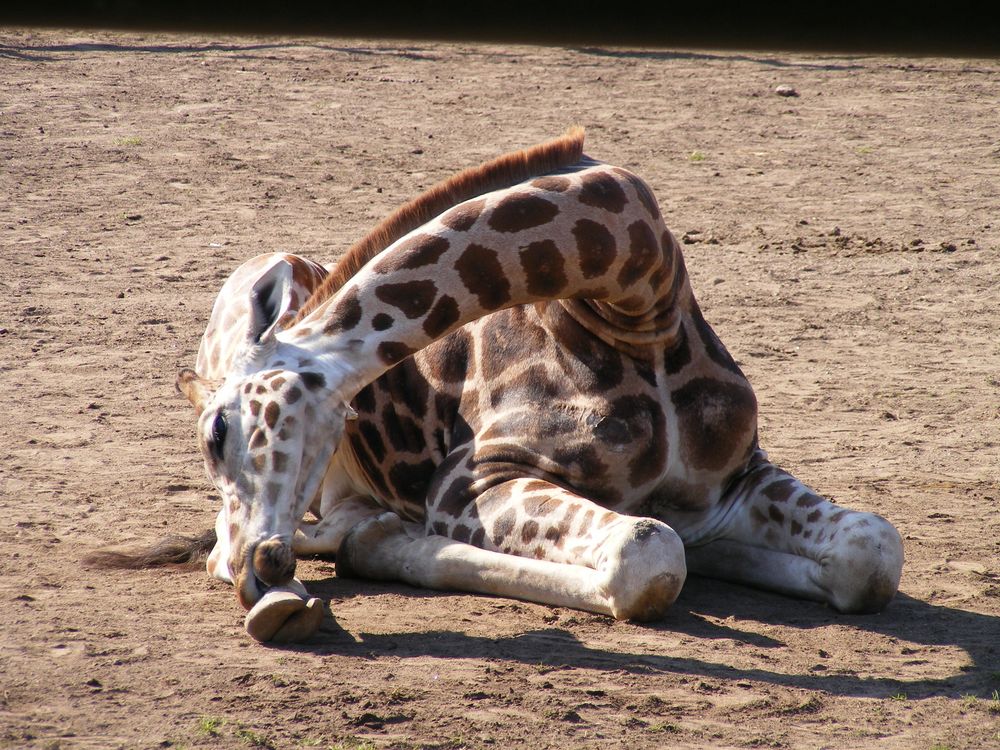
(866, 564)
(645, 567)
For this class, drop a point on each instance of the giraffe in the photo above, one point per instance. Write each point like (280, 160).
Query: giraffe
(509, 388)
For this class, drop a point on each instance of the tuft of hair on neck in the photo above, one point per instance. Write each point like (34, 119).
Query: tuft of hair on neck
(502, 172)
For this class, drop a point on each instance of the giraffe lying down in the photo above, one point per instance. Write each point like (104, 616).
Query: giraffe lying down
(509, 388)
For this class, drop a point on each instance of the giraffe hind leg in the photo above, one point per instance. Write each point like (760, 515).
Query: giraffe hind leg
(784, 537)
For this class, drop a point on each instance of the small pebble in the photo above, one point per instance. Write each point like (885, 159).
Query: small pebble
(785, 90)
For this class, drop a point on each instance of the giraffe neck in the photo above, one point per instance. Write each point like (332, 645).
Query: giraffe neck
(594, 236)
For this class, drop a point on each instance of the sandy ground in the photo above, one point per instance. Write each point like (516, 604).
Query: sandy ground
(845, 244)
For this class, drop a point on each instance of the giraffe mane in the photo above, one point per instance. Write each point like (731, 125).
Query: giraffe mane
(502, 172)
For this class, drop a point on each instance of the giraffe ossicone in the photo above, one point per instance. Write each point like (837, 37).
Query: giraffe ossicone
(541, 412)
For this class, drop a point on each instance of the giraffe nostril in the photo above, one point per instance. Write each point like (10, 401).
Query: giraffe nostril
(273, 562)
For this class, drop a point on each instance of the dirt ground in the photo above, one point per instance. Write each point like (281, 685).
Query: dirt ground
(844, 242)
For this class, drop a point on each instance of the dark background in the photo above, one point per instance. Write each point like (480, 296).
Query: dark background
(917, 27)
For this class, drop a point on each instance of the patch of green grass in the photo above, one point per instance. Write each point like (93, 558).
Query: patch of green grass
(210, 725)
(254, 739)
(940, 746)
(900, 697)
(354, 743)
(696, 156)
(994, 705)
(663, 726)
(863, 150)
(129, 140)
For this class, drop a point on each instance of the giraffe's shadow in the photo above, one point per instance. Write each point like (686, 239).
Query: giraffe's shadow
(906, 619)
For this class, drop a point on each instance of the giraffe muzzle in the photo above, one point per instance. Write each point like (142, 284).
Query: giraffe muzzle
(274, 563)
(271, 564)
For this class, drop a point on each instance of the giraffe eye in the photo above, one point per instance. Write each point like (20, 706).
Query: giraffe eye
(219, 429)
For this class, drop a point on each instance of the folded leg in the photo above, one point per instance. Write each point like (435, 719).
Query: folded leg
(527, 539)
(326, 535)
(784, 537)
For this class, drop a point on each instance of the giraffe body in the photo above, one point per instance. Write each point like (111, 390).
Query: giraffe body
(542, 412)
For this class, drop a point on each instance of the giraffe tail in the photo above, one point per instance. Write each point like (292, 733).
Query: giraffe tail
(175, 551)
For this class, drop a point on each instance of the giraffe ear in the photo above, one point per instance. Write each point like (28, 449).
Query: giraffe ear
(350, 415)
(198, 390)
(269, 298)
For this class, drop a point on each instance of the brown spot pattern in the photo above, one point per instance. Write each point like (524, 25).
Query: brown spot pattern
(601, 190)
(461, 218)
(403, 432)
(552, 183)
(346, 313)
(454, 361)
(271, 413)
(416, 252)
(544, 268)
(642, 191)
(442, 317)
(279, 461)
(481, 273)
(313, 380)
(679, 354)
(406, 387)
(643, 253)
(373, 438)
(503, 526)
(382, 321)
(411, 480)
(521, 211)
(293, 395)
(715, 419)
(529, 530)
(478, 538)
(392, 352)
(780, 491)
(595, 246)
(414, 298)
(809, 500)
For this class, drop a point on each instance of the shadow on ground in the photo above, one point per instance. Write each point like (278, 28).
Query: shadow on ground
(906, 619)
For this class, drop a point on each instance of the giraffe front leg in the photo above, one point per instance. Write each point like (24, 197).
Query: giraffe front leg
(556, 548)
(326, 535)
(784, 537)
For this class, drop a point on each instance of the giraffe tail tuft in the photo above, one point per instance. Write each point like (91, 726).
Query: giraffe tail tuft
(176, 551)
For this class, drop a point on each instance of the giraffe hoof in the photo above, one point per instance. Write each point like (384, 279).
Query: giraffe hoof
(353, 556)
(282, 616)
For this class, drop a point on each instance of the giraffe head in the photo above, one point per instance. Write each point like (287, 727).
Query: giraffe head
(267, 431)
